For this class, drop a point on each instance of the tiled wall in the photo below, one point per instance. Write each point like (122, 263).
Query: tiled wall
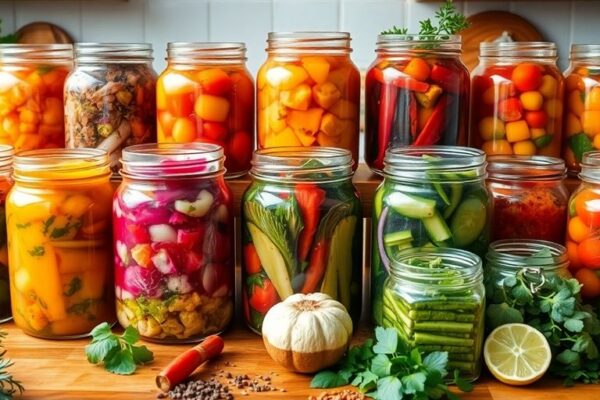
(161, 21)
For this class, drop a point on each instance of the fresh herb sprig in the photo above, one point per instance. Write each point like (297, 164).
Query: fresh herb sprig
(117, 353)
(449, 22)
(9, 386)
(386, 369)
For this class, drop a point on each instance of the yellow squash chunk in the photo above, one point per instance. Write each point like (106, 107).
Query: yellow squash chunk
(267, 96)
(524, 148)
(592, 100)
(297, 98)
(76, 205)
(517, 131)
(328, 141)
(35, 316)
(175, 84)
(286, 77)
(491, 128)
(326, 94)
(497, 147)
(211, 108)
(345, 109)
(537, 133)
(340, 77)
(22, 281)
(548, 86)
(287, 137)
(317, 68)
(305, 122)
(331, 125)
(590, 120)
(306, 139)
(77, 260)
(275, 116)
(430, 97)
(573, 125)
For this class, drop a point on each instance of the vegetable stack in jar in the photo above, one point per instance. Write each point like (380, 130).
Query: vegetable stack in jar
(6, 154)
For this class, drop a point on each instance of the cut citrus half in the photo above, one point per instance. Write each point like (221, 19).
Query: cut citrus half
(517, 354)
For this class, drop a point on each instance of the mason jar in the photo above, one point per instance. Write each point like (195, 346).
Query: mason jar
(206, 94)
(301, 230)
(110, 98)
(31, 94)
(435, 299)
(173, 242)
(516, 99)
(309, 92)
(417, 94)
(433, 196)
(529, 197)
(6, 155)
(58, 221)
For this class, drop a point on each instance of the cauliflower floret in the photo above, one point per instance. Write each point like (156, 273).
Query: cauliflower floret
(219, 320)
(125, 316)
(149, 327)
(192, 301)
(193, 321)
(178, 304)
(171, 327)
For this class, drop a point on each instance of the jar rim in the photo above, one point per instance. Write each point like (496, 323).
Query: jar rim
(15, 52)
(190, 52)
(91, 52)
(6, 157)
(584, 51)
(426, 44)
(509, 167)
(518, 49)
(60, 164)
(514, 252)
(590, 166)
(309, 41)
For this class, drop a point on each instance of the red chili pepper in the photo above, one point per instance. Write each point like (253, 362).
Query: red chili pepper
(447, 79)
(316, 268)
(432, 131)
(402, 82)
(412, 115)
(182, 367)
(309, 198)
(387, 107)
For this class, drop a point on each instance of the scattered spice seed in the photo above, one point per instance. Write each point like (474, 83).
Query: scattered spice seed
(341, 395)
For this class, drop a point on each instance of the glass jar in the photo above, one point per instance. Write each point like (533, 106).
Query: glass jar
(431, 196)
(516, 99)
(583, 245)
(417, 95)
(110, 98)
(582, 101)
(58, 221)
(435, 299)
(529, 197)
(309, 92)
(31, 94)
(206, 94)
(6, 154)
(173, 235)
(301, 230)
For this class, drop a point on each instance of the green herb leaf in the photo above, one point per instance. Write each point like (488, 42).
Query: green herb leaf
(381, 365)
(579, 144)
(131, 335)
(389, 388)
(436, 361)
(387, 340)
(414, 383)
(462, 384)
(141, 354)
(97, 351)
(37, 251)
(327, 379)
(574, 325)
(74, 286)
(501, 314)
(119, 361)
(449, 22)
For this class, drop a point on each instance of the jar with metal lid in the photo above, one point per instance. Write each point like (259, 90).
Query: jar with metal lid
(206, 94)
(173, 241)
(32, 77)
(582, 104)
(417, 94)
(309, 92)
(58, 220)
(6, 155)
(431, 196)
(435, 299)
(301, 230)
(110, 98)
(516, 99)
(529, 197)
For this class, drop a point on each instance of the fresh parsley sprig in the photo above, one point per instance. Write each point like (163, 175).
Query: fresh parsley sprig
(449, 22)
(388, 370)
(9, 386)
(117, 353)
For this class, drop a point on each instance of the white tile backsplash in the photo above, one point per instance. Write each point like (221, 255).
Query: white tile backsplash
(124, 18)
(65, 13)
(306, 15)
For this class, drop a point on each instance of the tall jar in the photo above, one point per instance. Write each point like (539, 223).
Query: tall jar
(583, 245)
(110, 98)
(309, 92)
(31, 94)
(430, 197)
(206, 94)
(58, 221)
(529, 197)
(435, 299)
(516, 99)
(582, 104)
(173, 242)
(6, 155)
(417, 94)
(301, 230)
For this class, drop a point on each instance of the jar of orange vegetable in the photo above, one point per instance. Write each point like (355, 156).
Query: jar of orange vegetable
(206, 94)
(31, 94)
(309, 92)
(583, 244)
(516, 99)
(58, 220)
(6, 153)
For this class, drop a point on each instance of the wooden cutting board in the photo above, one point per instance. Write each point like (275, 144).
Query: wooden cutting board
(42, 33)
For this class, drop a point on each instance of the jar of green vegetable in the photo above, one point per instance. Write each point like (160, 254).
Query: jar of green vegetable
(430, 197)
(301, 229)
(435, 299)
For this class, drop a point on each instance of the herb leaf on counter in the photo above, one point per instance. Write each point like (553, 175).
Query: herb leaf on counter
(8, 385)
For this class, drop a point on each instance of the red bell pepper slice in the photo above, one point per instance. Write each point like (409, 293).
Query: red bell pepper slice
(387, 107)
(432, 131)
(447, 79)
(401, 81)
(309, 198)
(413, 115)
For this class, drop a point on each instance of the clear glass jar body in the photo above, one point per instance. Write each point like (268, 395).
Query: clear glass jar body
(435, 299)
(417, 93)
(6, 154)
(31, 95)
(301, 230)
(173, 241)
(58, 215)
(529, 197)
(430, 196)
(206, 94)
(516, 100)
(582, 104)
(309, 92)
(110, 98)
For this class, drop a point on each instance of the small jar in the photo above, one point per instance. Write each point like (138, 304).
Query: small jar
(206, 94)
(6, 155)
(58, 221)
(529, 197)
(309, 92)
(582, 104)
(435, 299)
(417, 94)
(430, 197)
(173, 241)
(516, 99)
(583, 245)
(301, 230)
(32, 77)
(110, 98)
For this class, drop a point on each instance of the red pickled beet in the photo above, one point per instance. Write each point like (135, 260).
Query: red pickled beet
(215, 131)
(189, 238)
(536, 119)
(510, 110)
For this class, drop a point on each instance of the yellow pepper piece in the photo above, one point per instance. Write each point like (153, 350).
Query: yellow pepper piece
(305, 122)
(76, 205)
(317, 68)
(517, 131)
(496, 147)
(573, 125)
(286, 77)
(275, 116)
(340, 77)
(491, 128)
(429, 98)
(331, 125)
(592, 100)
(590, 120)
(211, 108)
(306, 139)
(283, 138)
(328, 141)
(532, 101)
(548, 86)
(297, 98)
(537, 133)
(34, 314)
(524, 148)
(345, 109)
(326, 94)
(576, 102)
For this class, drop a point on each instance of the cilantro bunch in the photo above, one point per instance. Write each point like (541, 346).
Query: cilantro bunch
(388, 370)
(449, 22)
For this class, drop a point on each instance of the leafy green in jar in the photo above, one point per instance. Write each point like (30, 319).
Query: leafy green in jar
(74, 286)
